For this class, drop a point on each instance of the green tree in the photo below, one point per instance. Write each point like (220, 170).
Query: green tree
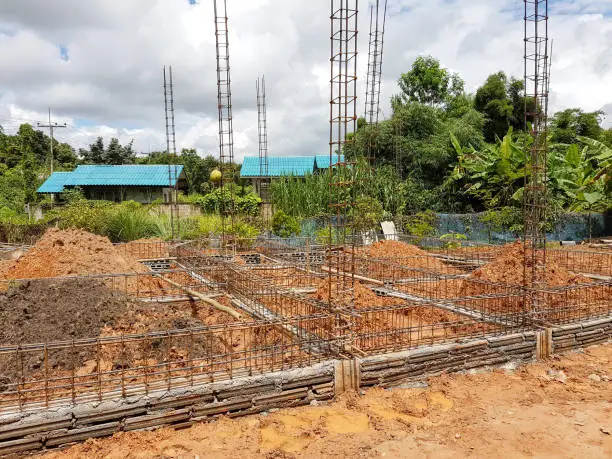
(569, 124)
(115, 153)
(428, 83)
(501, 100)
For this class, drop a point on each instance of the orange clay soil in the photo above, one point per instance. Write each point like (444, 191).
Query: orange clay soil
(507, 268)
(405, 255)
(528, 412)
(76, 252)
(71, 252)
(408, 317)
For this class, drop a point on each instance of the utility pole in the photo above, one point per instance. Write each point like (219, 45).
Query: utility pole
(51, 126)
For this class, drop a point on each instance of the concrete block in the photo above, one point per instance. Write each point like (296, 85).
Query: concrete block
(379, 365)
(310, 381)
(181, 401)
(587, 334)
(283, 396)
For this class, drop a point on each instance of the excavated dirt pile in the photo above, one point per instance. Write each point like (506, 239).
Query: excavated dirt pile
(363, 297)
(508, 266)
(45, 310)
(48, 310)
(71, 252)
(406, 255)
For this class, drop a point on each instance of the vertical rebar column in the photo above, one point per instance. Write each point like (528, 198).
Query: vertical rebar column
(262, 132)
(342, 122)
(171, 140)
(375, 54)
(536, 123)
(224, 103)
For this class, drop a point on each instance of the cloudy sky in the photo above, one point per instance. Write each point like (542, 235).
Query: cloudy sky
(98, 63)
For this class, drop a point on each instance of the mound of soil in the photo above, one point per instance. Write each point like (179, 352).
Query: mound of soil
(509, 265)
(46, 310)
(384, 249)
(361, 298)
(71, 252)
(407, 255)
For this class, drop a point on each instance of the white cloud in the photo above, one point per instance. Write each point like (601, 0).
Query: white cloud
(117, 50)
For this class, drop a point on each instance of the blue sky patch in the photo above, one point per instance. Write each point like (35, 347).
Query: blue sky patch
(63, 50)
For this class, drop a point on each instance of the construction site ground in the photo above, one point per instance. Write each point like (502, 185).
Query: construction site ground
(558, 408)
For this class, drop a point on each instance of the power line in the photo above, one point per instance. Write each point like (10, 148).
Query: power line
(51, 126)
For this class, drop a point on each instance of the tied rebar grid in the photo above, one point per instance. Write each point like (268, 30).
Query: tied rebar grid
(536, 123)
(171, 140)
(224, 104)
(342, 121)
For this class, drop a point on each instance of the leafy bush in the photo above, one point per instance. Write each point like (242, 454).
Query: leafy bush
(221, 198)
(366, 213)
(422, 224)
(92, 216)
(285, 226)
(503, 219)
(322, 236)
(453, 240)
(243, 234)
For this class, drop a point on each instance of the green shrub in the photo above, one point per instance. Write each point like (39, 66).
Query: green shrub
(243, 234)
(322, 236)
(453, 240)
(285, 226)
(422, 224)
(221, 198)
(92, 216)
(366, 213)
(209, 225)
(130, 221)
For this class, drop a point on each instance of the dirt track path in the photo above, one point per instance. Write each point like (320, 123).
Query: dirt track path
(560, 408)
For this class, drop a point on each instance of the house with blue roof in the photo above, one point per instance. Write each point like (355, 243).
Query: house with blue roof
(141, 183)
(261, 174)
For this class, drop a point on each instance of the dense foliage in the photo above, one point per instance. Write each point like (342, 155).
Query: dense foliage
(448, 151)
(440, 150)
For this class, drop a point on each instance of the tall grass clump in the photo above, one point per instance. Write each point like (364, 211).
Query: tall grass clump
(301, 196)
(131, 221)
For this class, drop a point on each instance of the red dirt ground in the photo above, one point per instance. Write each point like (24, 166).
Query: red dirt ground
(558, 408)
(508, 267)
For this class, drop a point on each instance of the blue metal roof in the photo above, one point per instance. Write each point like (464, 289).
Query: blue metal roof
(323, 160)
(54, 183)
(124, 175)
(278, 165)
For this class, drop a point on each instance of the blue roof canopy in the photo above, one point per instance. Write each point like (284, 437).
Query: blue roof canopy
(54, 183)
(123, 175)
(278, 166)
(323, 160)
